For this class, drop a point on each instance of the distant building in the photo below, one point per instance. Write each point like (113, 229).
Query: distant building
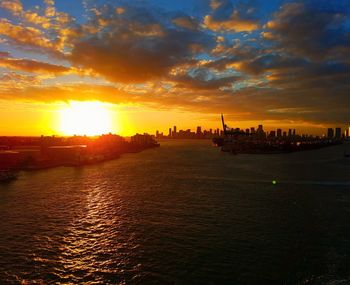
(337, 133)
(169, 133)
(66, 155)
(279, 133)
(199, 131)
(260, 132)
(289, 132)
(174, 131)
(330, 133)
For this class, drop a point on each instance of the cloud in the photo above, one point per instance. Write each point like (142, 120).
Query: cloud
(296, 67)
(306, 31)
(136, 47)
(14, 6)
(11, 83)
(202, 79)
(215, 4)
(38, 29)
(36, 19)
(233, 24)
(31, 65)
(186, 22)
(229, 18)
(25, 36)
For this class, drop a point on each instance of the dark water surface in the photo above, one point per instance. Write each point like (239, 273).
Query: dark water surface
(181, 214)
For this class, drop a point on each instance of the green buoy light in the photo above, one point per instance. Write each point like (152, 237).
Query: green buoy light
(274, 182)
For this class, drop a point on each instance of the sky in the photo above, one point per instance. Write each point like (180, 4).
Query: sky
(156, 63)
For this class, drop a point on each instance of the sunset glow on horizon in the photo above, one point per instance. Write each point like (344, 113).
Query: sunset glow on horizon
(86, 118)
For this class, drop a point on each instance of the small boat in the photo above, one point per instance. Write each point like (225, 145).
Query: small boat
(7, 175)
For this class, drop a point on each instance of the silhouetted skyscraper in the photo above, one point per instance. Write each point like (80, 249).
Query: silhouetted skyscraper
(199, 131)
(330, 133)
(279, 133)
(337, 133)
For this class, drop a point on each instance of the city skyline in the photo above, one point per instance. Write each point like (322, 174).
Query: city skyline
(126, 67)
(199, 131)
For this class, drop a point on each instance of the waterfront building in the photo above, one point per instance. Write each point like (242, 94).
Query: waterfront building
(66, 155)
(9, 159)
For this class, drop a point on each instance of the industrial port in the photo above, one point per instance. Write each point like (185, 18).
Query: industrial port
(257, 141)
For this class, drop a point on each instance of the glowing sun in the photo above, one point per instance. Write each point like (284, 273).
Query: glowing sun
(85, 118)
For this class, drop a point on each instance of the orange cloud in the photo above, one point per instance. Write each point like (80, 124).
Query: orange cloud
(36, 19)
(233, 24)
(215, 4)
(120, 10)
(186, 22)
(11, 83)
(28, 36)
(32, 66)
(14, 6)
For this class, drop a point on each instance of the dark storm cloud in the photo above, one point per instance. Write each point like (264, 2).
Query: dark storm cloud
(310, 32)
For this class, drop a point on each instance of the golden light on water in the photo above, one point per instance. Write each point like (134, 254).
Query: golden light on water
(86, 118)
